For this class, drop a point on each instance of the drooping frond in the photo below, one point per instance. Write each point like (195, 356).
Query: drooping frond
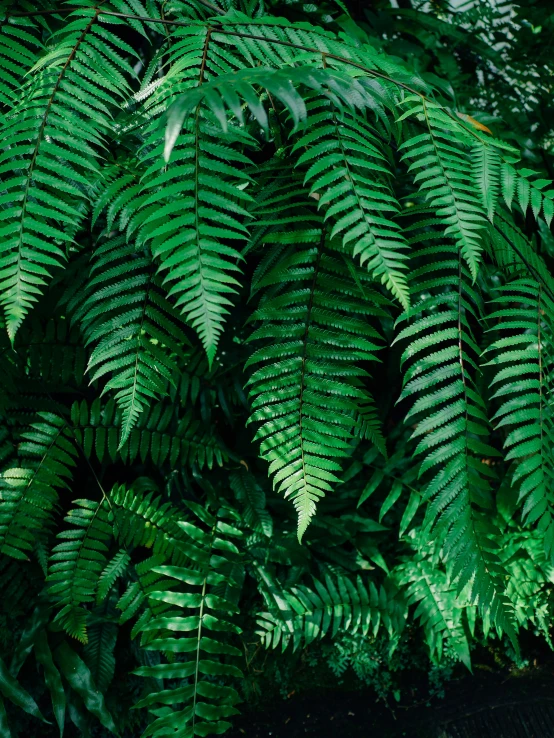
(440, 157)
(29, 491)
(134, 329)
(196, 628)
(191, 212)
(163, 434)
(523, 361)
(450, 421)
(315, 329)
(337, 603)
(77, 562)
(349, 174)
(51, 142)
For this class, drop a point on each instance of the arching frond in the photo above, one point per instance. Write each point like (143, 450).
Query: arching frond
(308, 384)
(201, 706)
(134, 329)
(523, 358)
(331, 605)
(77, 562)
(52, 141)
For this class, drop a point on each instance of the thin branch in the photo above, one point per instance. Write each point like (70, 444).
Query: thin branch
(146, 19)
(242, 34)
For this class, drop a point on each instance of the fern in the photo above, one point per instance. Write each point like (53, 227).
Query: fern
(349, 172)
(137, 336)
(336, 604)
(201, 706)
(162, 434)
(445, 623)
(523, 368)
(29, 491)
(77, 562)
(439, 155)
(451, 422)
(74, 89)
(200, 200)
(314, 326)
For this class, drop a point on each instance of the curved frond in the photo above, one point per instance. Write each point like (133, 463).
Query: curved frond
(134, 329)
(308, 384)
(77, 562)
(197, 627)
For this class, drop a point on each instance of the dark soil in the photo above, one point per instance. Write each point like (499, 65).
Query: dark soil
(486, 705)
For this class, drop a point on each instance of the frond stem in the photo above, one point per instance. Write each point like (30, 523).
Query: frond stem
(40, 136)
(305, 349)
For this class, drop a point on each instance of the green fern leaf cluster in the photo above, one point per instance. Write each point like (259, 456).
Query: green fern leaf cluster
(248, 257)
(439, 156)
(30, 490)
(333, 605)
(451, 421)
(202, 706)
(51, 142)
(316, 331)
(522, 359)
(349, 173)
(135, 331)
(163, 435)
(77, 562)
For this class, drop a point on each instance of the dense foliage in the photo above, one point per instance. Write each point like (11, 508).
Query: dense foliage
(278, 313)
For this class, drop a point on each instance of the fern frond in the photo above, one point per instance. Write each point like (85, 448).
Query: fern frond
(201, 706)
(252, 498)
(98, 652)
(52, 141)
(439, 610)
(350, 176)
(191, 212)
(135, 331)
(161, 434)
(450, 422)
(114, 569)
(20, 47)
(440, 158)
(29, 491)
(336, 603)
(142, 519)
(523, 361)
(77, 562)
(315, 328)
